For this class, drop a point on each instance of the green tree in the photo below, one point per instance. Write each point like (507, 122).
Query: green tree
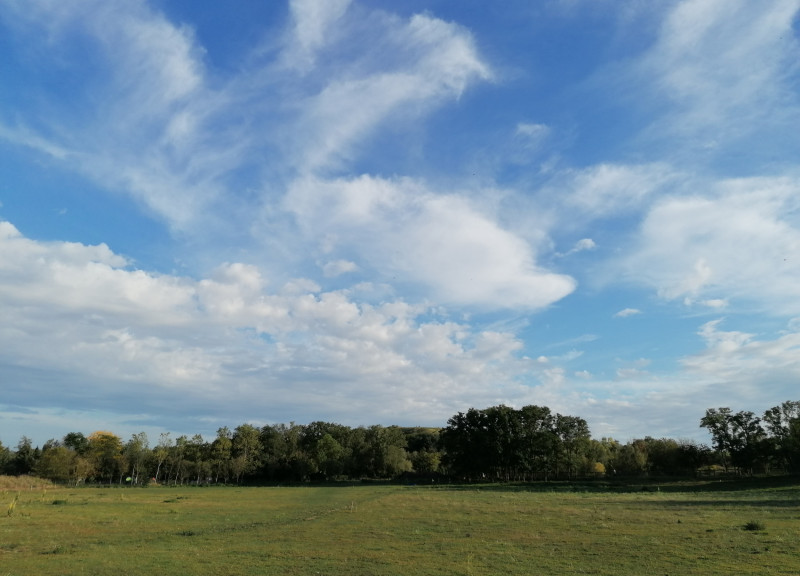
(783, 425)
(105, 452)
(76, 441)
(6, 459)
(56, 463)
(426, 462)
(538, 442)
(384, 454)
(161, 454)
(329, 456)
(739, 436)
(466, 444)
(573, 439)
(25, 457)
(221, 454)
(718, 423)
(197, 456)
(178, 465)
(139, 457)
(630, 459)
(246, 450)
(422, 446)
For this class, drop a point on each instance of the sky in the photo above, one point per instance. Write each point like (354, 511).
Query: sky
(373, 212)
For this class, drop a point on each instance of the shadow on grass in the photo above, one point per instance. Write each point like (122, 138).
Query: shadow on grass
(634, 485)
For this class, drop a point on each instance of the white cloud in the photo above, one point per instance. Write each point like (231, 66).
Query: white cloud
(534, 131)
(716, 303)
(139, 343)
(145, 129)
(165, 129)
(533, 136)
(627, 312)
(314, 23)
(431, 61)
(740, 365)
(441, 242)
(738, 239)
(338, 267)
(726, 66)
(582, 245)
(607, 190)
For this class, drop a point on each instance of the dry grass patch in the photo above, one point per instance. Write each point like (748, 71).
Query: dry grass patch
(8, 483)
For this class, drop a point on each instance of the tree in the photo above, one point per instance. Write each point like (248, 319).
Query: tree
(425, 462)
(324, 445)
(196, 456)
(783, 425)
(504, 444)
(161, 453)
(739, 436)
(383, 453)
(284, 457)
(105, 454)
(177, 462)
(630, 459)
(329, 456)
(503, 436)
(692, 456)
(76, 441)
(538, 441)
(573, 437)
(718, 423)
(422, 445)
(57, 463)
(221, 450)
(25, 458)
(6, 459)
(748, 450)
(137, 452)
(246, 449)
(466, 444)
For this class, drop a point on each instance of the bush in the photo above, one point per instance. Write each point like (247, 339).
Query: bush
(754, 526)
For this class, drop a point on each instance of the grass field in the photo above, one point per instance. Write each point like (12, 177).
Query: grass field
(402, 530)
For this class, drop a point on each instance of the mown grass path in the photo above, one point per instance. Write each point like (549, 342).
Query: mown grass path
(395, 530)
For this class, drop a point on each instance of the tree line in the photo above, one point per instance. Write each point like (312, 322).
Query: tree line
(493, 444)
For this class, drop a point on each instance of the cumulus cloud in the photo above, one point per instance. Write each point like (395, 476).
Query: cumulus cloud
(737, 240)
(441, 242)
(733, 361)
(161, 344)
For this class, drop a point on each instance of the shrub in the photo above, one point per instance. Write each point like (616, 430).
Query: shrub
(754, 526)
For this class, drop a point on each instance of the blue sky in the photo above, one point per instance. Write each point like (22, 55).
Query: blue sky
(377, 212)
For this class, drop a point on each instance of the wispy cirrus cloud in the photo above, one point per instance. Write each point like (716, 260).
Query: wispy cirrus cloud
(725, 71)
(431, 61)
(158, 139)
(313, 27)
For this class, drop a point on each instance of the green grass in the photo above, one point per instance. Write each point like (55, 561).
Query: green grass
(396, 530)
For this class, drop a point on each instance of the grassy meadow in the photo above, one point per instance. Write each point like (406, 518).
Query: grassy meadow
(672, 529)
